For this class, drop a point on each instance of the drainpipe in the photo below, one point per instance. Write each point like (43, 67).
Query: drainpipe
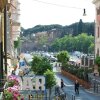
(1, 50)
(5, 38)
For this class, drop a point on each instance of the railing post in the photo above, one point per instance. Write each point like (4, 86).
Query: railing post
(73, 97)
(97, 87)
(94, 86)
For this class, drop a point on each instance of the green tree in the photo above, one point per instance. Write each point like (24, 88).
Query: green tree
(17, 43)
(56, 45)
(91, 48)
(97, 61)
(63, 57)
(50, 80)
(80, 27)
(40, 65)
(82, 43)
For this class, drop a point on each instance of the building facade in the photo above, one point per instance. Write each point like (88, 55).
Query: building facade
(97, 28)
(9, 32)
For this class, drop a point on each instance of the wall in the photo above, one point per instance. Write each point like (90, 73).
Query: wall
(73, 78)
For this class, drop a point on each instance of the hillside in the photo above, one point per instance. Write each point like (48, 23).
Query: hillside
(74, 29)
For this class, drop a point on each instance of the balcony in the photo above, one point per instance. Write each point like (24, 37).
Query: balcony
(15, 4)
(15, 35)
(15, 28)
(15, 11)
(15, 16)
(15, 23)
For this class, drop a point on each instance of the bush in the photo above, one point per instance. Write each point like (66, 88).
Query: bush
(81, 73)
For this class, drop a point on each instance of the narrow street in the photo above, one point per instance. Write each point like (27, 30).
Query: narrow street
(69, 89)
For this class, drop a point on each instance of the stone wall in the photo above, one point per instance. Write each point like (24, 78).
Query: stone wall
(73, 78)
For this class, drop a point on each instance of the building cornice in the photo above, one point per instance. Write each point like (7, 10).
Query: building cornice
(2, 4)
(95, 1)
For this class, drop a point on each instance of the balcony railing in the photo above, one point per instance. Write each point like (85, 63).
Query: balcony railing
(3, 85)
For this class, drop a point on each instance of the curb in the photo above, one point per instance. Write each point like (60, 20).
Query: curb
(97, 94)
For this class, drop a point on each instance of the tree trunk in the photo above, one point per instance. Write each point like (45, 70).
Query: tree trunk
(49, 93)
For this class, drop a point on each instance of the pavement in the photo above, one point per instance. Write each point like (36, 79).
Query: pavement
(69, 90)
(85, 94)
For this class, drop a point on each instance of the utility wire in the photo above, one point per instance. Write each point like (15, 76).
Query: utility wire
(56, 4)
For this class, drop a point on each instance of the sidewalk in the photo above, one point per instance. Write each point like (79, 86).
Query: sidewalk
(92, 91)
(69, 90)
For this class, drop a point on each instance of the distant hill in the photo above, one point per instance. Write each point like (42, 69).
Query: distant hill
(74, 29)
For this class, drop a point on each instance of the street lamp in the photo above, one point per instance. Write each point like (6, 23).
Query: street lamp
(84, 12)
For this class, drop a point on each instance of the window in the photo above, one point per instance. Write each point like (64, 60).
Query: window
(98, 52)
(40, 87)
(98, 32)
(34, 87)
(40, 80)
(98, 11)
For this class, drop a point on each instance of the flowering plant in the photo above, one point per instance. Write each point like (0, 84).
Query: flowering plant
(12, 92)
(8, 95)
(13, 79)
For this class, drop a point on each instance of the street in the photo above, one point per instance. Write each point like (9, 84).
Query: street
(69, 89)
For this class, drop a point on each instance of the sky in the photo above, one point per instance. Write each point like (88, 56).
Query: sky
(63, 12)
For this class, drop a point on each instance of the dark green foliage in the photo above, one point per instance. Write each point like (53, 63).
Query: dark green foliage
(40, 65)
(11, 83)
(17, 43)
(81, 73)
(8, 95)
(40, 28)
(50, 78)
(80, 27)
(63, 57)
(74, 29)
(82, 43)
(97, 60)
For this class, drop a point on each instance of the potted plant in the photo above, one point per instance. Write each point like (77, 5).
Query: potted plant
(8, 95)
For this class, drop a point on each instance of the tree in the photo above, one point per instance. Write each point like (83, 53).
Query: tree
(80, 27)
(50, 80)
(40, 65)
(63, 57)
(91, 48)
(56, 45)
(97, 60)
(17, 43)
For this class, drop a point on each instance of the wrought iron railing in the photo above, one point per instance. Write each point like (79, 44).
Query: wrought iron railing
(4, 85)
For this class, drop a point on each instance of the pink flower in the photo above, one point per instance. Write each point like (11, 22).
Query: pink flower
(16, 94)
(22, 98)
(16, 86)
(10, 89)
